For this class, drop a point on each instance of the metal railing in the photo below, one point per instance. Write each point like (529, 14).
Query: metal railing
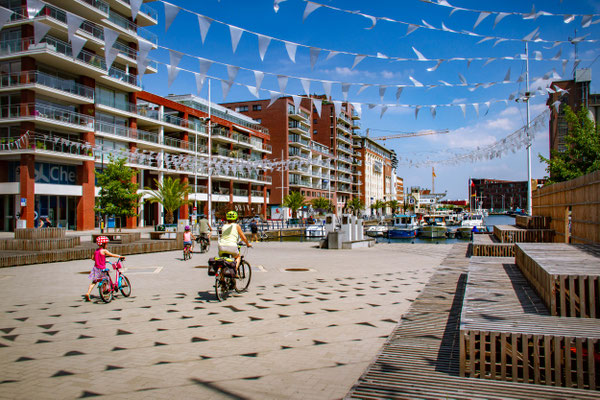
(298, 125)
(99, 4)
(149, 11)
(131, 27)
(44, 111)
(240, 192)
(119, 105)
(41, 78)
(124, 131)
(225, 115)
(257, 193)
(294, 138)
(48, 143)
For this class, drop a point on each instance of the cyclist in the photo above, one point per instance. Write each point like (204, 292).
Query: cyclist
(205, 227)
(99, 267)
(230, 236)
(187, 237)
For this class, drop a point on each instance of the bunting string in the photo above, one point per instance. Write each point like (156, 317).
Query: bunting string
(291, 47)
(518, 139)
(311, 6)
(586, 19)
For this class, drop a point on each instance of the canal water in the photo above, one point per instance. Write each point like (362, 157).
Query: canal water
(489, 221)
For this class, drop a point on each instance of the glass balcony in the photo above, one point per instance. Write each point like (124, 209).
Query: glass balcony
(257, 193)
(126, 132)
(43, 79)
(99, 4)
(240, 192)
(297, 126)
(46, 143)
(296, 139)
(149, 11)
(132, 28)
(224, 115)
(48, 112)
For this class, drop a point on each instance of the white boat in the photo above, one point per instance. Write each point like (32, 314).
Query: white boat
(404, 226)
(377, 230)
(315, 231)
(471, 222)
(434, 226)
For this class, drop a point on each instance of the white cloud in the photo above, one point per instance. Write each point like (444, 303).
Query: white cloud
(462, 100)
(387, 74)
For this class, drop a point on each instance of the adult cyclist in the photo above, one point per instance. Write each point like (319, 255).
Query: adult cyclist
(204, 228)
(231, 233)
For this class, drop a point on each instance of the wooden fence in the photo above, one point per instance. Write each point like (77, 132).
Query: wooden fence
(578, 198)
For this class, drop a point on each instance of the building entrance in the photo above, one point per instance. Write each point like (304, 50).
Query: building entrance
(60, 210)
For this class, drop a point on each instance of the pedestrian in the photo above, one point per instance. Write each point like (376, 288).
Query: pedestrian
(254, 231)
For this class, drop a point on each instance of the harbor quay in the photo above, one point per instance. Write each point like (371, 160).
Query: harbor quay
(310, 324)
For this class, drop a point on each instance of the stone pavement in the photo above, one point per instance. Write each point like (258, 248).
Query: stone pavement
(303, 335)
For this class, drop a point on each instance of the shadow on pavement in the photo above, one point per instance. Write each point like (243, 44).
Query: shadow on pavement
(217, 389)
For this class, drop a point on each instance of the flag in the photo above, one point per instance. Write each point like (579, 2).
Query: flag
(433, 172)
(474, 194)
(472, 183)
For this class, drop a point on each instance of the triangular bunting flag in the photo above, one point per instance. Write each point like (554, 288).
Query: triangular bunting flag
(34, 7)
(297, 101)
(417, 109)
(226, 85)
(357, 60)
(363, 87)
(236, 34)
(73, 23)
(345, 90)
(499, 18)
(415, 82)
(135, 8)
(39, 31)
(357, 108)
(282, 81)
(274, 97)
(331, 55)
(204, 24)
(411, 28)
(337, 106)
(253, 91)
(232, 72)
(314, 55)
(327, 89)
(398, 92)
(310, 7)
(77, 44)
(305, 85)
(258, 77)
(5, 15)
(173, 72)
(318, 103)
(263, 44)
(144, 48)
(291, 50)
(382, 89)
(433, 111)
(507, 76)
(171, 12)
(383, 110)
(482, 16)
(199, 82)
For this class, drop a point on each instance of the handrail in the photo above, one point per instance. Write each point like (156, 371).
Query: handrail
(131, 27)
(47, 112)
(41, 78)
(40, 142)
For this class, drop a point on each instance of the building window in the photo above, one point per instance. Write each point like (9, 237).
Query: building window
(315, 132)
(241, 109)
(259, 120)
(256, 107)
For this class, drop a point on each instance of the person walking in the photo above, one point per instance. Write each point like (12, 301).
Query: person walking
(254, 231)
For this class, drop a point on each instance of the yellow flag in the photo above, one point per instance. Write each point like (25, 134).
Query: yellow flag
(433, 172)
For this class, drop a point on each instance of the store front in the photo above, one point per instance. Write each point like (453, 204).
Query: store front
(61, 211)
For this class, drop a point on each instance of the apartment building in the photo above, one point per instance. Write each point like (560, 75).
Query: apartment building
(400, 189)
(57, 105)
(322, 142)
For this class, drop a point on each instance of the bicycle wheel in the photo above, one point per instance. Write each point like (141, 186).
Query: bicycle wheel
(244, 276)
(221, 287)
(125, 286)
(205, 246)
(105, 291)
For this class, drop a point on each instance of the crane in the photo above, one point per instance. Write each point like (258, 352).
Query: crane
(400, 135)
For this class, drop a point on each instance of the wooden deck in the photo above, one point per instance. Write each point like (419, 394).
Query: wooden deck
(533, 222)
(514, 234)
(421, 358)
(489, 246)
(508, 334)
(566, 277)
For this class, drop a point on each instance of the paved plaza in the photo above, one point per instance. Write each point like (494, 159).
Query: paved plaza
(304, 334)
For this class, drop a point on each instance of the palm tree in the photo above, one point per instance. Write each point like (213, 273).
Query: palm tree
(394, 205)
(378, 204)
(172, 194)
(294, 201)
(321, 205)
(356, 205)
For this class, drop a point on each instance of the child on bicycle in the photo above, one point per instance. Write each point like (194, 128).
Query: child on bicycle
(187, 237)
(99, 268)
(230, 236)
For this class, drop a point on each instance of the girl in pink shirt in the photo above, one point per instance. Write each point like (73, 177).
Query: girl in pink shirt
(99, 257)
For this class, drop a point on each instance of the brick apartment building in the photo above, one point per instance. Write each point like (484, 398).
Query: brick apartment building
(55, 103)
(577, 96)
(493, 194)
(325, 141)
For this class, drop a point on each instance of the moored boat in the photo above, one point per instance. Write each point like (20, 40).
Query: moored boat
(404, 226)
(434, 226)
(377, 231)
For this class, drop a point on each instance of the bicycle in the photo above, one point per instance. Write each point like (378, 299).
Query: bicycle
(187, 252)
(108, 287)
(204, 243)
(227, 280)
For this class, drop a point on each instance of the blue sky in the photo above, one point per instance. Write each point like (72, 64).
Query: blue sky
(329, 29)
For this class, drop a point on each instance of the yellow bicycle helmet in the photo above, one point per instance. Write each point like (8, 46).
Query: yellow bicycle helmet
(231, 215)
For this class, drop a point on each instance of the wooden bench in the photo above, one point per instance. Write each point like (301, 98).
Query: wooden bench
(119, 237)
(566, 277)
(506, 332)
(533, 222)
(489, 246)
(513, 234)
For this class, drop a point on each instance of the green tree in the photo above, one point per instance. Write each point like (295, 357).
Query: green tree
(172, 194)
(321, 205)
(394, 205)
(355, 205)
(118, 194)
(377, 205)
(582, 153)
(294, 201)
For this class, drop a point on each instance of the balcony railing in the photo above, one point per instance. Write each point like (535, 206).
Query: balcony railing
(293, 138)
(257, 193)
(131, 27)
(298, 125)
(45, 143)
(43, 79)
(124, 131)
(99, 4)
(225, 115)
(58, 46)
(344, 138)
(149, 11)
(119, 105)
(44, 111)
(343, 117)
(240, 192)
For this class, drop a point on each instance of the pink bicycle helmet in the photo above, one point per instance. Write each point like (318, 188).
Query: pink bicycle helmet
(100, 240)
(187, 227)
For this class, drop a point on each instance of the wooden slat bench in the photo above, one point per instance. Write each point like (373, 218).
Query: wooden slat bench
(40, 233)
(489, 246)
(506, 333)
(513, 234)
(566, 277)
(533, 222)
(120, 237)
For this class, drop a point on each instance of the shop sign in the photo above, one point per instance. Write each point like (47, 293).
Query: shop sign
(47, 173)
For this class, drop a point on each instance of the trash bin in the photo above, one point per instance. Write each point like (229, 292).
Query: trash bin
(111, 222)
